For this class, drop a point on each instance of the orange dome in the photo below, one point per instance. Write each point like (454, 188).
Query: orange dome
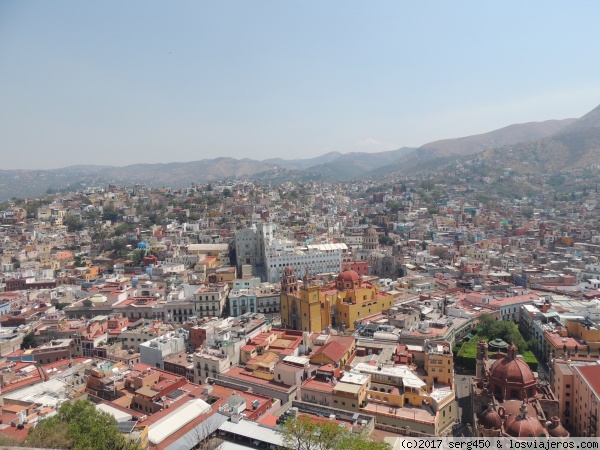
(555, 429)
(512, 371)
(490, 419)
(348, 276)
(348, 279)
(524, 427)
(512, 377)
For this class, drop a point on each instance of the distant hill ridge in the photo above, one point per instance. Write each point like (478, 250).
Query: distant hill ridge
(548, 145)
(449, 149)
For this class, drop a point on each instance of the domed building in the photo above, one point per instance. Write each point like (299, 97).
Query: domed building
(511, 377)
(523, 425)
(508, 400)
(555, 429)
(338, 304)
(370, 239)
(347, 279)
(384, 261)
(490, 419)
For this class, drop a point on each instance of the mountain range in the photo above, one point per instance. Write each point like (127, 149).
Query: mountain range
(575, 146)
(552, 145)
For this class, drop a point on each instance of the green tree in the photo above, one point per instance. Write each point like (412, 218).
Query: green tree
(436, 194)
(28, 341)
(93, 215)
(441, 253)
(121, 229)
(136, 257)
(427, 185)
(527, 213)
(386, 240)
(302, 433)
(110, 214)
(393, 206)
(501, 329)
(73, 223)
(120, 246)
(78, 261)
(79, 426)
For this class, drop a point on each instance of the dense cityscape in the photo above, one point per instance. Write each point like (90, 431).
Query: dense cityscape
(276, 225)
(211, 314)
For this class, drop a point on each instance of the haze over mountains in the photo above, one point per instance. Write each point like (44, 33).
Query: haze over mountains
(434, 153)
(551, 145)
(575, 146)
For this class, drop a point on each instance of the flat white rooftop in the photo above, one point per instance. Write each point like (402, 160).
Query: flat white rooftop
(168, 425)
(252, 430)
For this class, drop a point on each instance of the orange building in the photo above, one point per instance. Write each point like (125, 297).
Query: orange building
(586, 381)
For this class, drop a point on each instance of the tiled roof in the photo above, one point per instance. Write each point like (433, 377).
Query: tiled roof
(332, 350)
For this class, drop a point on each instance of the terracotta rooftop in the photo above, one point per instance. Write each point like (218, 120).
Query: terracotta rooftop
(246, 375)
(592, 375)
(332, 350)
(560, 341)
(318, 385)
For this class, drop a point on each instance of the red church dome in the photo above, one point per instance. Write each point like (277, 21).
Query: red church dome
(348, 279)
(349, 276)
(523, 425)
(555, 429)
(490, 419)
(511, 377)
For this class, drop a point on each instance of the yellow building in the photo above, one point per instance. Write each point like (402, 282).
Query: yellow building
(339, 304)
(224, 275)
(419, 397)
(585, 331)
(350, 392)
(439, 365)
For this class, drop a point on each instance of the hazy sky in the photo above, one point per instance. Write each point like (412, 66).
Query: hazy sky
(121, 82)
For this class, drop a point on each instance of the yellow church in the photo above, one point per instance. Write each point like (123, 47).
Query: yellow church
(339, 304)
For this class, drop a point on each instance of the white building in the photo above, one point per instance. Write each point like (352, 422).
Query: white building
(155, 352)
(259, 247)
(210, 299)
(312, 259)
(257, 297)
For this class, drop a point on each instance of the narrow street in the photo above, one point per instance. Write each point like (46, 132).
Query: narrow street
(463, 399)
